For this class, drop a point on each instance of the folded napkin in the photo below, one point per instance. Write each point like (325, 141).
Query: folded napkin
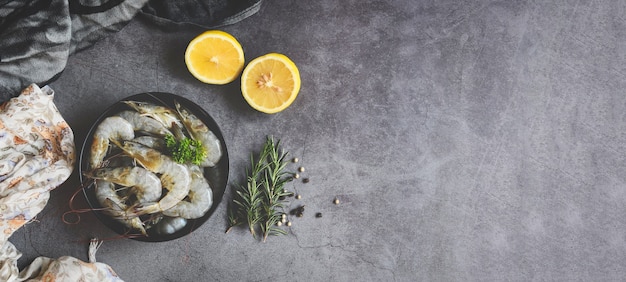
(38, 36)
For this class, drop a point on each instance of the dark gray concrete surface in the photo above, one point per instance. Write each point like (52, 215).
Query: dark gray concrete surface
(466, 140)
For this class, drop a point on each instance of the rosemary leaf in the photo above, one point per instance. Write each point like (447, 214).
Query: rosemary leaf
(258, 203)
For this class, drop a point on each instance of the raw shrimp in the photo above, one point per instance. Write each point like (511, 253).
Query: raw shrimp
(165, 115)
(115, 207)
(146, 186)
(200, 198)
(200, 132)
(151, 141)
(174, 176)
(112, 129)
(170, 225)
(144, 123)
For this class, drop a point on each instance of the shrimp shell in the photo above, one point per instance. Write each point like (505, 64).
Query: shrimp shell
(170, 225)
(112, 129)
(146, 186)
(200, 198)
(115, 207)
(165, 115)
(144, 123)
(151, 141)
(175, 177)
(200, 132)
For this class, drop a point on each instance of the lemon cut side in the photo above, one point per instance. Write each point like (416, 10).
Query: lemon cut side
(270, 83)
(214, 57)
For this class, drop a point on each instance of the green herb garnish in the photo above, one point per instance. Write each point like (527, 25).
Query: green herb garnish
(186, 150)
(258, 203)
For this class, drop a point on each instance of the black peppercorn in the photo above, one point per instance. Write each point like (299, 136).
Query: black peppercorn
(296, 211)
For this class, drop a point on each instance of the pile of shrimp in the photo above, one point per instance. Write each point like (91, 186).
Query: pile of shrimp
(135, 180)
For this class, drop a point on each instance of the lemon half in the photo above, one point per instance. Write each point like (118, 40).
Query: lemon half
(270, 83)
(214, 57)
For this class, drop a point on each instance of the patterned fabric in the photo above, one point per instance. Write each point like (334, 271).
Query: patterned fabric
(37, 154)
(67, 269)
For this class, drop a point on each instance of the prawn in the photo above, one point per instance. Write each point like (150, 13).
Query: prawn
(115, 207)
(169, 225)
(151, 141)
(200, 198)
(175, 177)
(112, 129)
(144, 123)
(146, 186)
(165, 115)
(200, 132)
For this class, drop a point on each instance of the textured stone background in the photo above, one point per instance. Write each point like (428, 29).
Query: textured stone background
(467, 140)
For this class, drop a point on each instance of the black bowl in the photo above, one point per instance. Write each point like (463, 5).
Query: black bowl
(217, 175)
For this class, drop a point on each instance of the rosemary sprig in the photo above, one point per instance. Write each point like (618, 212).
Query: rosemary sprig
(258, 203)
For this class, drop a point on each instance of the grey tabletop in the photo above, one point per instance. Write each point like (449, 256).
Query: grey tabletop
(466, 140)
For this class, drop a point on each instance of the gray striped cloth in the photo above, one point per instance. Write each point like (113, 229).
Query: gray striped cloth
(38, 36)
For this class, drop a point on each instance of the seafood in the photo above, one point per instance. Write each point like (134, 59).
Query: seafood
(200, 132)
(200, 198)
(115, 206)
(170, 225)
(151, 141)
(112, 129)
(144, 123)
(144, 179)
(165, 115)
(144, 184)
(174, 176)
